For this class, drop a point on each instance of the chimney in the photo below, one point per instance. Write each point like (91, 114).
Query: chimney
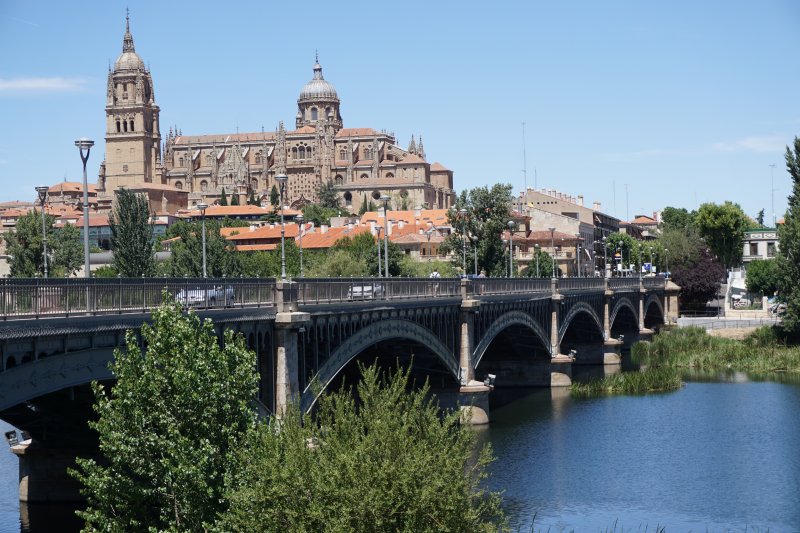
(596, 206)
(323, 228)
(580, 200)
(401, 224)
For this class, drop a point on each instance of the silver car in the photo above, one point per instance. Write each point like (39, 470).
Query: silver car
(206, 297)
(366, 291)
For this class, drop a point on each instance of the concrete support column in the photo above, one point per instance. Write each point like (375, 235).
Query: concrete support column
(642, 296)
(671, 310)
(612, 352)
(608, 294)
(467, 347)
(560, 364)
(288, 322)
(43, 473)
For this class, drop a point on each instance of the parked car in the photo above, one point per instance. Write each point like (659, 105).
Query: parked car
(366, 291)
(206, 297)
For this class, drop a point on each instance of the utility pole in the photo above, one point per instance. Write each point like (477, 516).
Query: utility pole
(524, 165)
(627, 213)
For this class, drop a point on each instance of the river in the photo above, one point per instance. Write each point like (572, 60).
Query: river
(713, 456)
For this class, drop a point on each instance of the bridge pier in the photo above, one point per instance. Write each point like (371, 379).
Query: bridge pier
(288, 323)
(43, 473)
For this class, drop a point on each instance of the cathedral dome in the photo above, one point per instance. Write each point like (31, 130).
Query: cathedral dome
(318, 88)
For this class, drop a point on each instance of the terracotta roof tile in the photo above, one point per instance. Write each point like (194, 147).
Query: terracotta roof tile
(356, 132)
(436, 216)
(223, 138)
(411, 159)
(71, 186)
(234, 210)
(438, 167)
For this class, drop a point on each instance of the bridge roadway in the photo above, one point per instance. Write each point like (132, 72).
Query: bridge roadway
(58, 335)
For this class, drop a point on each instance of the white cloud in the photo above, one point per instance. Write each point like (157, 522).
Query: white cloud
(41, 85)
(772, 143)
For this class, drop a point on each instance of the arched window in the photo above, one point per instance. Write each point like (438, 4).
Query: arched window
(367, 153)
(254, 184)
(179, 185)
(132, 128)
(313, 113)
(364, 176)
(125, 125)
(208, 160)
(294, 153)
(301, 152)
(328, 112)
(348, 198)
(389, 175)
(376, 195)
(343, 154)
(338, 180)
(181, 161)
(204, 185)
(258, 158)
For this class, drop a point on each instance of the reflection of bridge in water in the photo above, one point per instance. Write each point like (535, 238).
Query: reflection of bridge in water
(310, 334)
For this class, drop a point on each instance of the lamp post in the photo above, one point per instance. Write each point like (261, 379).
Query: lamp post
(536, 251)
(474, 240)
(42, 191)
(622, 257)
(666, 262)
(378, 235)
(606, 271)
(282, 179)
(202, 207)
(505, 243)
(463, 216)
(511, 225)
(640, 262)
(385, 199)
(301, 223)
(553, 248)
(578, 253)
(85, 144)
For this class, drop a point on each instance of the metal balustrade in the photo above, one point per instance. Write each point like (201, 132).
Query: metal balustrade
(34, 298)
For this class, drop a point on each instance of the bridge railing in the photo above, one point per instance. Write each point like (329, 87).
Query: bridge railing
(26, 298)
(654, 283)
(580, 284)
(496, 286)
(623, 283)
(337, 290)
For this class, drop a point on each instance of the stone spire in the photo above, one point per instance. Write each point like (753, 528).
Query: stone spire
(127, 40)
(420, 149)
(412, 146)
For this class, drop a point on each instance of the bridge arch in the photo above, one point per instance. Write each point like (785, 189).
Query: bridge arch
(368, 336)
(653, 311)
(577, 309)
(503, 322)
(622, 303)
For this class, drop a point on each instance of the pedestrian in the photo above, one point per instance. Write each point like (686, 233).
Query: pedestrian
(482, 274)
(435, 274)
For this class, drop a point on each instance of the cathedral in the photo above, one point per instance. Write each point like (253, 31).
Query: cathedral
(362, 164)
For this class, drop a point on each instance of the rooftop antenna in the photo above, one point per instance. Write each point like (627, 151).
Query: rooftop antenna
(627, 214)
(535, 179)
(772, 193)
(524, 161)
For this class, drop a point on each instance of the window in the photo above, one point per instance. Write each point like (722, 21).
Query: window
(753, 248)
(338, 180)
(294, 153)
(132, 128)
(343, 154)
(181, 161)
(125, 126)
(376, 195)
(301, 152)
(367, 153)
(770, 249)
(204, 185)
(313, 113)
(348, 198)
(208, 160)
(389, 176)
(364, 176)
(258, 158)
(119, 127)
(179, 185)
(124, 168)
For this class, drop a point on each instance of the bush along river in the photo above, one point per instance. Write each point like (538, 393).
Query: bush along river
(719, 452)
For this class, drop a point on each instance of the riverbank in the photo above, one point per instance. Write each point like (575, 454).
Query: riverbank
(761, 351)
(654, 379)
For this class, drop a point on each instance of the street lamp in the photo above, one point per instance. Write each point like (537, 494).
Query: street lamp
(666, 263)
(622, 257)
(536, 251)
(42, 191)
(511, 225)
(578, 253)
(282, 179)
(553, 248)
(378, 235)
(300, 222)
(505, 243)
(85, 144)
(385, 199)
(202, 207)
(474, 240)
(463, 216)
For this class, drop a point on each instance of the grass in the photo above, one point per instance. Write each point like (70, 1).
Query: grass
(652, 379)
(763, 351)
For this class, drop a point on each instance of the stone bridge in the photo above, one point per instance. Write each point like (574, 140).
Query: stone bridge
(56, 336)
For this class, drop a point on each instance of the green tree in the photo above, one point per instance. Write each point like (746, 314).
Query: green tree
(132, 235)
(235, 199)
(252, 199)
(337, 264)
(674, 218)
(274, 197)
(763, 276)
(364, 206)
(187, 253)
(545, 265)
(223, 199)
(24, 246)
(169, 427)
(760, 218)
(680, 248)
(789, 239)
(320, 215)
(327, 195)
(488, 213)
(723, 227)
(387, 462)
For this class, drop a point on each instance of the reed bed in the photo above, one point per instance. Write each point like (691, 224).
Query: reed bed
(763, 351)
(651, 379)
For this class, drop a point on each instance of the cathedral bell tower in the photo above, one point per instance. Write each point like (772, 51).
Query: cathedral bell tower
(133, 140)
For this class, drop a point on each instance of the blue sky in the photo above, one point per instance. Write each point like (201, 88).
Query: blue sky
(678, 102)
